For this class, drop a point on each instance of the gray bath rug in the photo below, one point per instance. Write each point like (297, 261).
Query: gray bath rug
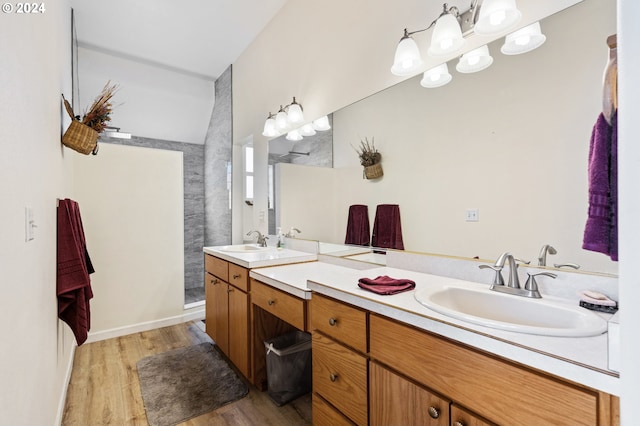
(185, 383)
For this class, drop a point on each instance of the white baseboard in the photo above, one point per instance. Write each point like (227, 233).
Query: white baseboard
(65, 387)
(188, 315)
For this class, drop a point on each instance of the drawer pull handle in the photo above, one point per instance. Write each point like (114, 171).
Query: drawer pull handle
(230, 289)
(434, 412)
(332, 321)
(333, 377)
(458, 423)
(271, 302)
(236, 276)
(214, 282)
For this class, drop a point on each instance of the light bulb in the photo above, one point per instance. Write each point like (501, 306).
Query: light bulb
(294, 113)
(497, 18)
(281, 119)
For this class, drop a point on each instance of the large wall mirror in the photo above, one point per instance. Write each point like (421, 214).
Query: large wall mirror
(511, 141)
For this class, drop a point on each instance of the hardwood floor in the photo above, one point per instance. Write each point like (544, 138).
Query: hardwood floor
(104, 387)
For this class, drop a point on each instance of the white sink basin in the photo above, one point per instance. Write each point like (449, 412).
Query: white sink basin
(512, 313)
(245, 248)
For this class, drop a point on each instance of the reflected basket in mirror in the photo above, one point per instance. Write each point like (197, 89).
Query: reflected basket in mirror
(373, 172)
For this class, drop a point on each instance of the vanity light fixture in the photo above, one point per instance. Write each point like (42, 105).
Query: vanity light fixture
(436, 77)
(287, 118)
(307, 130)
(294, 135)
(524, 40)
(321, 124)
(496, 16)
(451, 27)
(475, 60)
(270, 127)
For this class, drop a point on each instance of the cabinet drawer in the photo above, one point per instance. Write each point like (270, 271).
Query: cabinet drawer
(325, 415)
(217, 267)
(462, 417)
(340, 377)
(284, 306)
(499, 390)
(339, 321)
(239, 277)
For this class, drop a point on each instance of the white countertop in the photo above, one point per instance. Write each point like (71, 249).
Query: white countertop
(580, 359)
(272, 256)
(293, 278)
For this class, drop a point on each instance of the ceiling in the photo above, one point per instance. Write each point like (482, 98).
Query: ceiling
(197, 37)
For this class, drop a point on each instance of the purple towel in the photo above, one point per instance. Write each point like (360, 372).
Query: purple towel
(386, 285)
(601, 230)
(387, 230)
(358, 225)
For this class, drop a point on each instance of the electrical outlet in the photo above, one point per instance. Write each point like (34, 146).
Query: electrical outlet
(472, 215)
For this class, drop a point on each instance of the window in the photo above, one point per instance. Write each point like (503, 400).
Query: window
(248, 172)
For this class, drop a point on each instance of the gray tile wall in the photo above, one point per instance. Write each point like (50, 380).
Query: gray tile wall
(217, 153)
(193, 165)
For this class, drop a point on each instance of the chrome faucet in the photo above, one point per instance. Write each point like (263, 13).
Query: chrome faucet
(513, 285)
(291, 234)
(542, 257)
(262, 239)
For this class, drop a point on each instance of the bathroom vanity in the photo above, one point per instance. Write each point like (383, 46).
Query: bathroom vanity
(228, 295)
(391, 360)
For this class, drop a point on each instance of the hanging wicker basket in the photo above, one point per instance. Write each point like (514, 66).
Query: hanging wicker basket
(373, 172)
(79, 137)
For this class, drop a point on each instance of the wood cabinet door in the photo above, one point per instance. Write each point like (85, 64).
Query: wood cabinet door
(216, 311)
(239, 329)
(393, 400)
(221, 315)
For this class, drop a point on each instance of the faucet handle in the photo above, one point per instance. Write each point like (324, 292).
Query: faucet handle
(524, 262)
(532, 286)
(497, 279)
(567, 265)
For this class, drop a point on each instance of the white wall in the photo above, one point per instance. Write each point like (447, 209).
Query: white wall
(306, 200)
(131, 200)
(152, 102)
(37, 348)
(629, 176)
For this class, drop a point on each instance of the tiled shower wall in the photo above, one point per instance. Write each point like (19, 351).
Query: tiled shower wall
(217, 178)
(193, 159)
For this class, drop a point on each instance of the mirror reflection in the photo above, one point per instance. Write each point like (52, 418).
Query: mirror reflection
(509, 144)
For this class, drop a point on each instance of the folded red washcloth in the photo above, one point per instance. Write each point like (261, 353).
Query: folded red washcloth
(386, 285)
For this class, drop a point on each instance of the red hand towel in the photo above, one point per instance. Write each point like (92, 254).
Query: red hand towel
(74, 267)
(386, 285)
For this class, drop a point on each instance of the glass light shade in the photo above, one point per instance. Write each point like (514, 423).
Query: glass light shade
(270, 128)
(524, 40)
(474, 61)
(307, 130)
(294, 135)
(281, 120)
(436, 77)
(294, 113)
(407, 59)
(496, 16)
(321, 124)
(447, 36)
